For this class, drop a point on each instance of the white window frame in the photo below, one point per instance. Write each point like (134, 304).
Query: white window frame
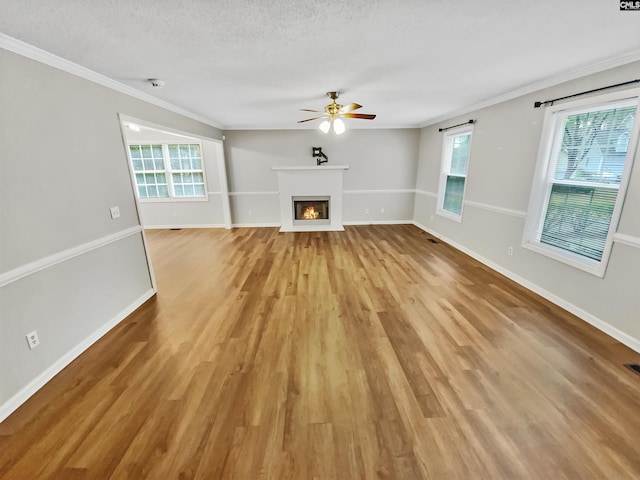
(169, 174)
(445, 167)
(545, 168)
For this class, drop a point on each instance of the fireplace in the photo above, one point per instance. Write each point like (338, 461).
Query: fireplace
(311, 210)
(319, 187)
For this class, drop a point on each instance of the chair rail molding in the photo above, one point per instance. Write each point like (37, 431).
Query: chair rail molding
(51, 260)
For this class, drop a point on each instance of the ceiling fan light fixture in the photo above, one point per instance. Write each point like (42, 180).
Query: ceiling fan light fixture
(324, 126)
(332, 115)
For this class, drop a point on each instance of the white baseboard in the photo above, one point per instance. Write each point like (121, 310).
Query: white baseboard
(379, 222)
(364, 222)
(37, 383)
(591, 319)
(187, 225)
(255, 225)
(195, 225)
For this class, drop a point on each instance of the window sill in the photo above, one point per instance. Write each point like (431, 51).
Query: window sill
(174, 199)
(590, 266)
(450, 215)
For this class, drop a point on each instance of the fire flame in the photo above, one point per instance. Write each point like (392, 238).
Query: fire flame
(310, 213)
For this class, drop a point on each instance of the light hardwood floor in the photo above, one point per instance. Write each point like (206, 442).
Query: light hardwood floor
(367, 354)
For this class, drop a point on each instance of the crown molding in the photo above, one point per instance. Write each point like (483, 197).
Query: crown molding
(566, 76)
(21, 48)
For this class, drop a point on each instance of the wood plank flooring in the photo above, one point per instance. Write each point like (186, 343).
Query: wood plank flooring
(366, 354)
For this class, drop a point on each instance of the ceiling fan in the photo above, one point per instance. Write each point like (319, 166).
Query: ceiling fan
(333, 112)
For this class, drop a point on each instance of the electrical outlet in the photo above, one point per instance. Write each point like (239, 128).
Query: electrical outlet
(115, 212)
(382, 210)
(366, 211)
(33, 340)
(510, 251)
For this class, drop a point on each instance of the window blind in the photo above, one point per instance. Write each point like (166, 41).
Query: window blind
(587, 163)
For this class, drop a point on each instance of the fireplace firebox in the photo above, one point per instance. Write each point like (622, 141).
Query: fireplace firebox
(311, 210)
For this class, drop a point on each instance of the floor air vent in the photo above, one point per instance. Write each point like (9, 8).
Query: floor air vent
(433, 240)
(633, 366)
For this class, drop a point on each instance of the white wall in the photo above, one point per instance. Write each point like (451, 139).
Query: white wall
(185, 213)
(502, 161)
(381, 175)
(67, 270)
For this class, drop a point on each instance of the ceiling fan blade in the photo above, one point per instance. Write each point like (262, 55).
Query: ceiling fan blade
(351, 107)
(316, 111)
(308, 119)
(363, 116)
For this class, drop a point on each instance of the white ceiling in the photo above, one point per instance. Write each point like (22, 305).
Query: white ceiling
(247, 64)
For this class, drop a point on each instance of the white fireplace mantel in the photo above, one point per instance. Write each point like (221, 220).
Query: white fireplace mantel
(313, 167)
(312, 181)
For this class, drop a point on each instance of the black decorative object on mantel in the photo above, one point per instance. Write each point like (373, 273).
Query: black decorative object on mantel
(318, 155)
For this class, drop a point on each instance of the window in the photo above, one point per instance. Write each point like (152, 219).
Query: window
(585, 159)
(148, 165)
(455, 159)
(168, 170)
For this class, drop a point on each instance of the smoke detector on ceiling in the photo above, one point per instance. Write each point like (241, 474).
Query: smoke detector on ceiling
(156, 82)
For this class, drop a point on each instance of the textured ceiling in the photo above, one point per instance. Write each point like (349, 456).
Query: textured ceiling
(254, 63)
